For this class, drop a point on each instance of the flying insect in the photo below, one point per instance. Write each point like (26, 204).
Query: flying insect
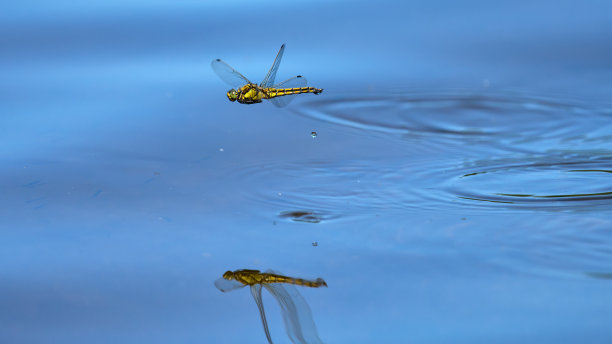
(246, 92)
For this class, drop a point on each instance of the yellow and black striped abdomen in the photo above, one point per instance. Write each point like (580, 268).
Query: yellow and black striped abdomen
(277, 92)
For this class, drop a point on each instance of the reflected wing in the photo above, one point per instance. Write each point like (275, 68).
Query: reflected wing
(227, 285)
(269, 79)
(296, 81)
(296, 314)
(228, 74)
(256, 291)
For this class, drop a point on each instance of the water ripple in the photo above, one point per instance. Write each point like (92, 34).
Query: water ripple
(562, 161)
(469, 117)
(315, 192)
(556, 182)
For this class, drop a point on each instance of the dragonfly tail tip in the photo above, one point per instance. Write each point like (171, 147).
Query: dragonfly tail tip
(321, 282)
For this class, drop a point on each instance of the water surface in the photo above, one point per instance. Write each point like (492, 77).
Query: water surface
(457, 190)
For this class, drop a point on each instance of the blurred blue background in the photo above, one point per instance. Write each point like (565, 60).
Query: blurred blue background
(458, 189)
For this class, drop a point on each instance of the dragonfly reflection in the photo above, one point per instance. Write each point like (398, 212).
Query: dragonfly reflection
(247, 92)
(296, 313)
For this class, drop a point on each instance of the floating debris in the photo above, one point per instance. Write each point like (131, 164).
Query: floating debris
(313, 134)
(315, 244)
(302, 216)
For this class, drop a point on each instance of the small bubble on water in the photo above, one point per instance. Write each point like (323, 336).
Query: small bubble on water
(313, 134)
(221, 149)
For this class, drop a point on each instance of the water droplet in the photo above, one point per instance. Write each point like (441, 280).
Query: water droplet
(313, 134)
(221, 149)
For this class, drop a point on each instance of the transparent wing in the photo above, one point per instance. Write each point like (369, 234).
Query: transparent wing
(296, 81)
(296, 314)
(228, 74)
(256, 291)
(227, 285)
(271, 76)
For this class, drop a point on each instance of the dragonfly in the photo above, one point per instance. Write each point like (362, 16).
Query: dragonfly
(296, 314)
(246, 92)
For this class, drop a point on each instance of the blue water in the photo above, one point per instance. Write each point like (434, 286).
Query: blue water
(458, 189)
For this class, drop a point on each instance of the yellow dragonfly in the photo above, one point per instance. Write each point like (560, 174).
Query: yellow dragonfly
(296, 314)
(247, 92)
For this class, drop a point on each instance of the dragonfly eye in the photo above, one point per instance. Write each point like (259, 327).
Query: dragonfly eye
(232, 95)
(228, 275)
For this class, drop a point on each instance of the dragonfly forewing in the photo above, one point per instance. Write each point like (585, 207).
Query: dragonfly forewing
(271, 76)
(228, 74)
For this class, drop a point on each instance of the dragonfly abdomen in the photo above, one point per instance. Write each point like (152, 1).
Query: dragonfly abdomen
(278, 92)
(272, 278)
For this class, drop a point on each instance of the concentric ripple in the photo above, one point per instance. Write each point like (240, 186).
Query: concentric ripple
(557, 182)
(469, 117)
(548, 154)
(316, 192)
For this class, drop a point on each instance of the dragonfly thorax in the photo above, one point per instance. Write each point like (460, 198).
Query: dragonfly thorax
(248, 94)
(228, 275)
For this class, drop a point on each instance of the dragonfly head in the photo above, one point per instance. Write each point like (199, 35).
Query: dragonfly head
(229, 275)
(232, 95)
